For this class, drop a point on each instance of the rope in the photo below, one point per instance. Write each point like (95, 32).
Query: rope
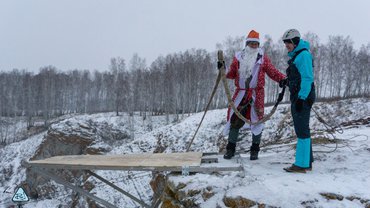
(205, 111)
(329, 127)
(330, 130)
(222, 76)
(231, 102)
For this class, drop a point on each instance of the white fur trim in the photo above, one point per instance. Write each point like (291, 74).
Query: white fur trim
(253, 39)
(255, 129)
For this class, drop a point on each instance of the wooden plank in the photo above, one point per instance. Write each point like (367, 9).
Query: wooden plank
(191, 161)
(193, 169)
(143, 161)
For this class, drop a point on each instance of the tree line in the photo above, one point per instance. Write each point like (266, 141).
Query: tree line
(179, 83)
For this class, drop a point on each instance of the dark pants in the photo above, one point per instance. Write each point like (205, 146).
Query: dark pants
(235, 124)
(301, 121)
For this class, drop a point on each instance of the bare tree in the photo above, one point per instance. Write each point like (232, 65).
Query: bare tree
(118, 69)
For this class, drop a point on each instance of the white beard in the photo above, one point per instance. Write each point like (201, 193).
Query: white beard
(248, 61)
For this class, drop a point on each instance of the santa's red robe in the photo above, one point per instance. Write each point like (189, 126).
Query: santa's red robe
(264, 66)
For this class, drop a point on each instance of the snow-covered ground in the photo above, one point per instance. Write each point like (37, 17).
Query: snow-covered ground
(344, 171)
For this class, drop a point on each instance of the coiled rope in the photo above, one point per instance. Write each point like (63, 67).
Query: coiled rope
(222, 76)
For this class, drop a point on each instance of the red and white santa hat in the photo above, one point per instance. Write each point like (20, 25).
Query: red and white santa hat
(253, 36)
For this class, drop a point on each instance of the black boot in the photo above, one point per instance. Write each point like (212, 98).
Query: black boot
(255, 148)
(230, 151)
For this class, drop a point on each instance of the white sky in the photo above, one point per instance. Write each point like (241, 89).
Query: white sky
(85, 34)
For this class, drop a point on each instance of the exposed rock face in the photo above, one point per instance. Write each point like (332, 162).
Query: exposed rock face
(175, 196)
(70, 138)
(179, 195)
(158, 184)
(334, 196)
(57, 143)
(238, 202)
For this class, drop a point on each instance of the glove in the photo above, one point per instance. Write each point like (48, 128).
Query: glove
(310, 102)
(259, 112)
(283, 82)
(220, 64)
(299, 105)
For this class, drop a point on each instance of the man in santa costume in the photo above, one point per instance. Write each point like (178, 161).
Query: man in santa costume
(248, 70)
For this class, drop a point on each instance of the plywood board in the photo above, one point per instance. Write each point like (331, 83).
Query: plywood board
(143, 161)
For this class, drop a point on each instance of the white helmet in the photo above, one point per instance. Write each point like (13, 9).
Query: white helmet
(290, 34)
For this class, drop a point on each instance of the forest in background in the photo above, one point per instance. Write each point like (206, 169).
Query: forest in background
(178, 83)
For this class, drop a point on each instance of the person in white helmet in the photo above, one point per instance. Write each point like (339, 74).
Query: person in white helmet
(302, 96)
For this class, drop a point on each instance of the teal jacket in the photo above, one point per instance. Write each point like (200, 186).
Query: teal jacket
(303, 62)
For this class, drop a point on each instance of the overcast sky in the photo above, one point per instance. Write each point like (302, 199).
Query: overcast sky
(86, 34)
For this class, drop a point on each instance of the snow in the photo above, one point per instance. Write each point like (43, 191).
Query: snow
(344, 171)
(12, 157)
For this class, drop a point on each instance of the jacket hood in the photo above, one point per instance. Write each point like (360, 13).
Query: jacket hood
(301, 45)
